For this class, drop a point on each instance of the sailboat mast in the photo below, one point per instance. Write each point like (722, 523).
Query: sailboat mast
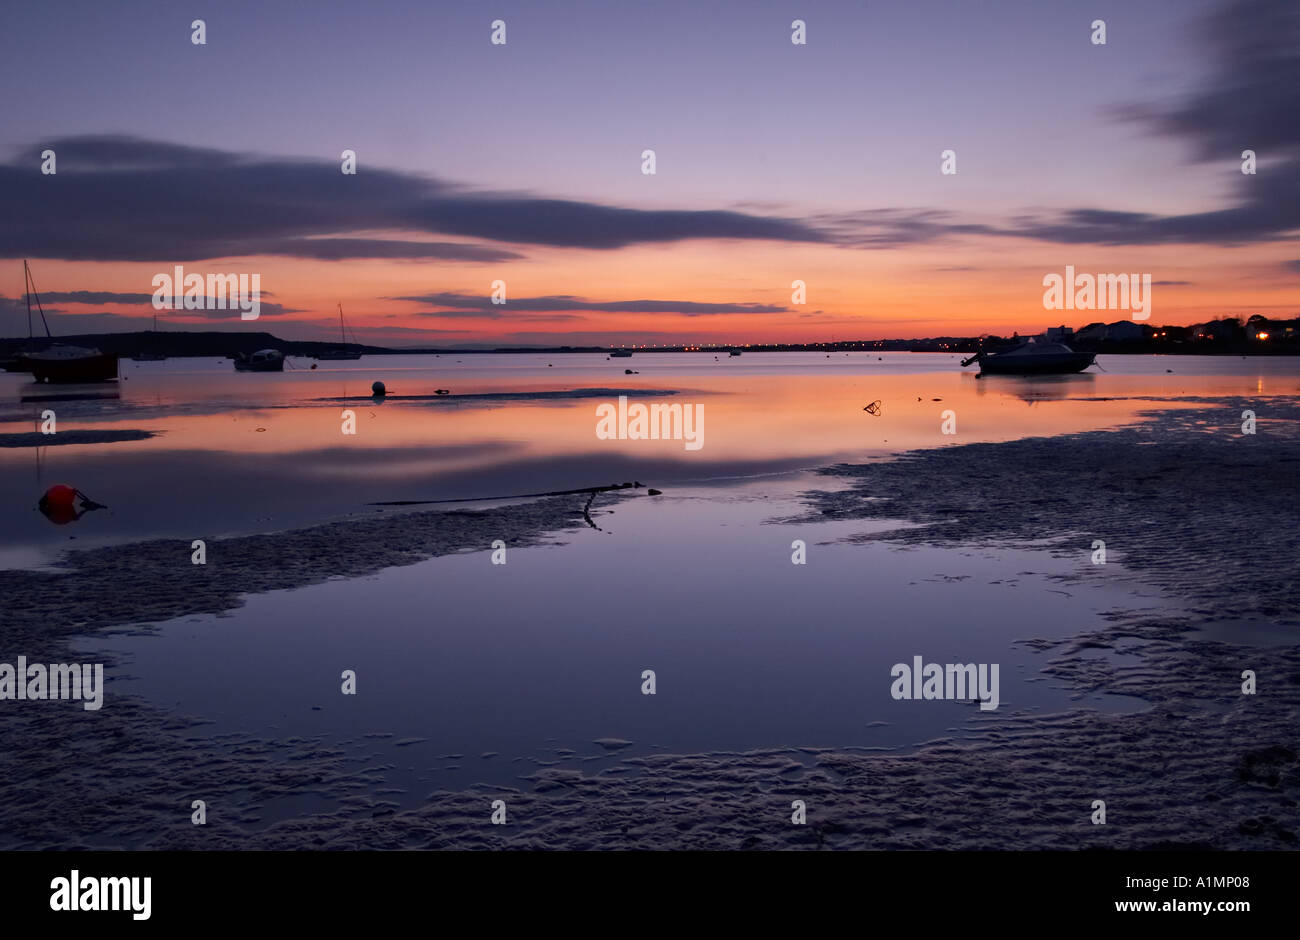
(31, 292)
(27, 293)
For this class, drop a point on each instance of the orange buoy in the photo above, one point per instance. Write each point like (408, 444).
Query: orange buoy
(59, 504)
(60, 496)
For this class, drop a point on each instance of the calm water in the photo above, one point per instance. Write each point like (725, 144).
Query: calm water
(238, 452)
(537, 660)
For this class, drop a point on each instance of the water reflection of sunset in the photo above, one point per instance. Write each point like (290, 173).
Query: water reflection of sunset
(746, 417)
(209, 469)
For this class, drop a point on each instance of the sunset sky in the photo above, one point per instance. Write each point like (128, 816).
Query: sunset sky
(775, 162)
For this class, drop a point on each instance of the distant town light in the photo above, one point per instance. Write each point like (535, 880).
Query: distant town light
(1262, 334)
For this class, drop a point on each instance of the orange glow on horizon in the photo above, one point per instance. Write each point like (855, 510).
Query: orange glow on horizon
(970, 289)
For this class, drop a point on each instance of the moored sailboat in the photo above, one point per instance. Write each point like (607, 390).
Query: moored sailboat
(341, 352)
(152, 355)
(60, 362)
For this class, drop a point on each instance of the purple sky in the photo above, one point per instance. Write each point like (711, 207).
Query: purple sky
(839, 137)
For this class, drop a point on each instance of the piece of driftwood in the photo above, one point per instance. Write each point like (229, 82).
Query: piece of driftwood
(479, 499)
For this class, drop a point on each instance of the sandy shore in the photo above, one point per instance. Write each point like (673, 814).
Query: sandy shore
(1184, 501)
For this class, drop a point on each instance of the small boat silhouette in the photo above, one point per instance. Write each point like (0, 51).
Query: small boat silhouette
(342, 352)
(264, 360)
(1032, 358)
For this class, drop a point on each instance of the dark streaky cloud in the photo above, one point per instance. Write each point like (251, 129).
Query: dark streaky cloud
(118, 198)
(475, 305)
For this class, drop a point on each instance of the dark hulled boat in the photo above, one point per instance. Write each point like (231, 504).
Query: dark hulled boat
(1032, 358)
(62, 363)
(14, 364)
(58, 362)
(264, 360)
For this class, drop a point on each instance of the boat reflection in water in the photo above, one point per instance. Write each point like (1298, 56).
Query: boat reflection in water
(1032, 389)
(72, 393)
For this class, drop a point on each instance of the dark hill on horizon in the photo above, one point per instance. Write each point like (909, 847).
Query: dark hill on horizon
(186, 344)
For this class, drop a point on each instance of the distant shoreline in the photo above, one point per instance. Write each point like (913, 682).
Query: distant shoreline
(181, 344)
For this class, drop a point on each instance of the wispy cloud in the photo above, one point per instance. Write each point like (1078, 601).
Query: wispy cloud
(481, 306)
(267, 308)
(496, 315)
(1249, 101)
